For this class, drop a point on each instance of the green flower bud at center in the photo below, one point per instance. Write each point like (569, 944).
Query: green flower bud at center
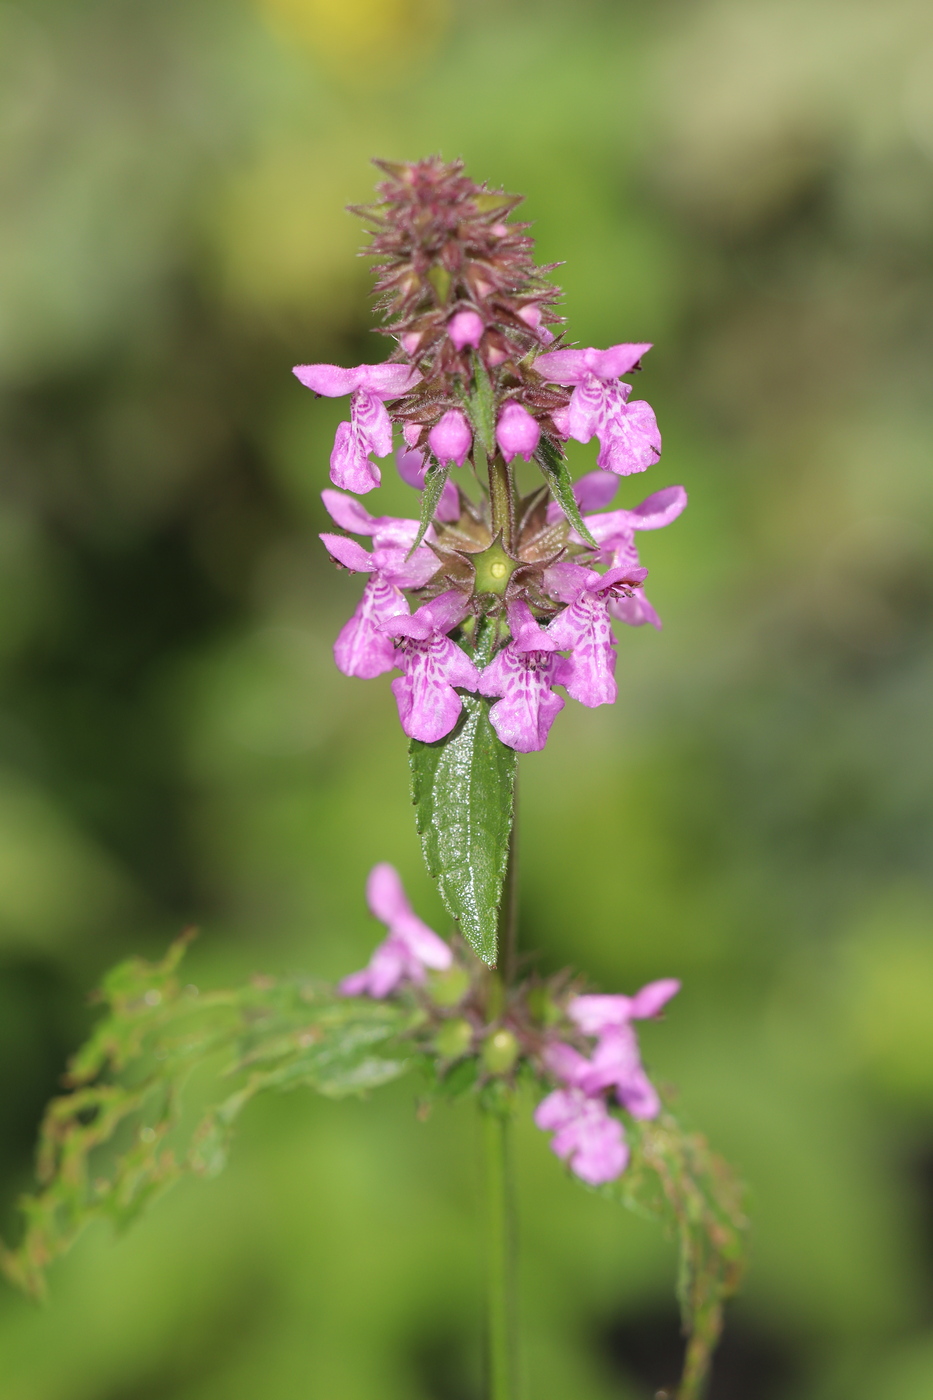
(493, 568)
(454, 1038)
(500, 1052)
(449, 987)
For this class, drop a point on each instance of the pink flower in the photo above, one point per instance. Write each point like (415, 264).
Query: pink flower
(410, 947)
(523, 673)
(516, 431)
(615, 1062)
(614, 531)
(583, 628)
(628, 435)
(584, 1134)
(465, 328)
(450, 438)
(370, 427)
(412, 466)
(428, 704)
(362, 648)
(596, 1014)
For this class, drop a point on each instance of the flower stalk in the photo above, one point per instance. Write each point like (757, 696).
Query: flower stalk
(501, 1318)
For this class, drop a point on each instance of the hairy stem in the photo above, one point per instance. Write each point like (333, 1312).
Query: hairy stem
(502, 513)
(500, 1258)
(501, 1309)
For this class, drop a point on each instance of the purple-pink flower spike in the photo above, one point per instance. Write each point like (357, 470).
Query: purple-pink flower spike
(410, 948)
(479, 373)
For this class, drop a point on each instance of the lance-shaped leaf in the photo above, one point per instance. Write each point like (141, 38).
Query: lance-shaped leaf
(462, 788)
(673, 1175)
(435, 479)
(119, 1137)
(558, 478)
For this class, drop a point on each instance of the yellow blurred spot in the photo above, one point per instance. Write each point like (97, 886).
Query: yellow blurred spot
(360, 38)
(282, 233)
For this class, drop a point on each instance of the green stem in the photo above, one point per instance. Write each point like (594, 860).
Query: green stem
(502, 514)
(500, 1258)
(501, 1310)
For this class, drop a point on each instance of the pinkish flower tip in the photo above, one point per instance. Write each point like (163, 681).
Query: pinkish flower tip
(465, 328)
(410, 947)
(450, 438)
(517, 433)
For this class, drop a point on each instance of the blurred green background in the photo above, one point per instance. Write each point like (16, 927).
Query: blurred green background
(748, 184)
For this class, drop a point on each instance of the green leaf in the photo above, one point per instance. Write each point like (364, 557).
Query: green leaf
(674, 1176)
(119, 1138)
(462, 789)
(558, 478)
(434, 479)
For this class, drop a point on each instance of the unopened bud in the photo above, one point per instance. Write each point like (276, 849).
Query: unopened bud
(543, 1007)
(448, 988)
(465, 328)
(454, 1039)
(450, 438)
(500, 1051)
(516, 431)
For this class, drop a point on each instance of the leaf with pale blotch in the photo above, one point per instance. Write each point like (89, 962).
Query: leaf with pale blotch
(462, 788)
(558, 478)
(118, 1138)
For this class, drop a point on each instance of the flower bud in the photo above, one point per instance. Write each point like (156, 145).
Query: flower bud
(465, 328)
(516, 431)
(450, 439)
(500, 1052)
(543, 1008)
(454, 1038)
(449, 987)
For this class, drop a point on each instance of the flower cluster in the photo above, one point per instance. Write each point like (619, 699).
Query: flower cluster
(586, 1134)
(514, 594)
